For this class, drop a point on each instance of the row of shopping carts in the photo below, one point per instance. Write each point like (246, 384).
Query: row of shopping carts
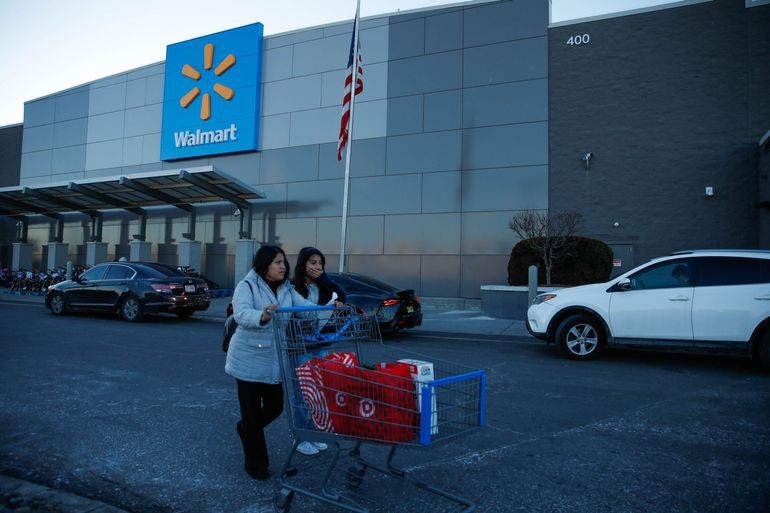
(365, 399)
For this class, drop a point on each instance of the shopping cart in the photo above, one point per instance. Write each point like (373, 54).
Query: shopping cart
(345, 388)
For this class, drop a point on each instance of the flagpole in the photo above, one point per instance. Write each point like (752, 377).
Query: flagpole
(346, 187)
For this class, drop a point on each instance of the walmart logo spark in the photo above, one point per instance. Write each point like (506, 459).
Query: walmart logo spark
(222, 90)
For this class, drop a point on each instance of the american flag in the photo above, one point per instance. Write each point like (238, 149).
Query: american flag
(346, 100)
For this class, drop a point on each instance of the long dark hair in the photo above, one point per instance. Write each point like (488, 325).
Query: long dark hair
(264, 257)
(324, 293)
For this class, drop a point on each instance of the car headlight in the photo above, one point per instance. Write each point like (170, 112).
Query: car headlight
(542, 298)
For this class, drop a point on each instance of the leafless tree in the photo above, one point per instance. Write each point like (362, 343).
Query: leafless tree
(547, 234)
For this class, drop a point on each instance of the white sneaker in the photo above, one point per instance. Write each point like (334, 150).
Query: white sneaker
(307, 448)
(320, 446)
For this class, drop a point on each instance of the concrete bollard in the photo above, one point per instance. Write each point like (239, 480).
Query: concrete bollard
(69, 269)
(532, 283)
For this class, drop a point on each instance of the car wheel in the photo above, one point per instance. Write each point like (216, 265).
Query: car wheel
(131, 309)
(57, 305)
(184, 314)
(580, 337)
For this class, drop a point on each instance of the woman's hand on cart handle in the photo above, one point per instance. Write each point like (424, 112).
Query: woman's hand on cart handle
(266, 313)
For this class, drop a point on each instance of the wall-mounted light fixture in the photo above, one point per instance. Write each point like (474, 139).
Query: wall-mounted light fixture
(586, 157)
(709, 191)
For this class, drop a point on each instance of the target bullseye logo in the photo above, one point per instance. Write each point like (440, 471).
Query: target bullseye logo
(339, 399)
(366, 408)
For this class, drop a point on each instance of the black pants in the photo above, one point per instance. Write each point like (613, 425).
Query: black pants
(261, 404)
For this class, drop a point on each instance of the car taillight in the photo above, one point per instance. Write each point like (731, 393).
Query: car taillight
(161, 287)
(391, 302)
(417, 298)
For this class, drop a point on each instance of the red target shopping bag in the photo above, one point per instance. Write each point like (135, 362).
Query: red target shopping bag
(379, 404)
(319, 380)
(350, 400)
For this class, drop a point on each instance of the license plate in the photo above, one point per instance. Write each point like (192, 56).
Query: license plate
(409, 309)
(189, 288)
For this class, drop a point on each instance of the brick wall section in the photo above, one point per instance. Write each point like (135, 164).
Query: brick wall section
(764, 195)
(669, 102)
(10, 154)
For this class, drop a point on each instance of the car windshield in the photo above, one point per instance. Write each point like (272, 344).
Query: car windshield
(352, 279)
(154, 270)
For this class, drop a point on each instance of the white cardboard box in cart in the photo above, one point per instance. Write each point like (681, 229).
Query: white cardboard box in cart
(422, 372)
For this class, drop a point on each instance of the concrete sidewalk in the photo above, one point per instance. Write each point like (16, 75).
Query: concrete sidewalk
(440, 315)
(469, 320)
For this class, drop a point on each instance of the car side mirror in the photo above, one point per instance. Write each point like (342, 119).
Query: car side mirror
(624, 284)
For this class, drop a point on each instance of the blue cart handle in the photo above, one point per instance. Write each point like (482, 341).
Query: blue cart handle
(305, 308)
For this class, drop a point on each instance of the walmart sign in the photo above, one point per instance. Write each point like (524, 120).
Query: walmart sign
(211, 94)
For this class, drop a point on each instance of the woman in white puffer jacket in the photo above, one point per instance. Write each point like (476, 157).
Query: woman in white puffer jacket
(252, 358)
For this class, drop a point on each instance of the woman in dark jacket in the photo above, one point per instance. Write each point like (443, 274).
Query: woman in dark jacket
(310, 278)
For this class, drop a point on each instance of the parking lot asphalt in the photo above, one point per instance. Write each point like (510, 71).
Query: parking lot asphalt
(440, 316)
(141, 417)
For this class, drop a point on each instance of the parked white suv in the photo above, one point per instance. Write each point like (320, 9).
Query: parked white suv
(705, 300)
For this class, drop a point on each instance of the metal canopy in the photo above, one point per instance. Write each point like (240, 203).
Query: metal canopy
(133, 192)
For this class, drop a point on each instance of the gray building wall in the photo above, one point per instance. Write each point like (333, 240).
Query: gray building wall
(10, 154)
(10, 163)
(449, 142)
(669, 102)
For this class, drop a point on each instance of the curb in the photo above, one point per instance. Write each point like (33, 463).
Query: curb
(20, 293)
(35, 497)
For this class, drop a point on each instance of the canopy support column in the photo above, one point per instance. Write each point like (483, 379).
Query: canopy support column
(191, 215)
(97, 223)
(142, 235)
(245, 220)
(22, 228)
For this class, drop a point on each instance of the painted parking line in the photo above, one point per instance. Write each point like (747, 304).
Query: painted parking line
(474, 338)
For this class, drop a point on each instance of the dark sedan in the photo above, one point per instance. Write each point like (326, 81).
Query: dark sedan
(394, 308)
(131, 289)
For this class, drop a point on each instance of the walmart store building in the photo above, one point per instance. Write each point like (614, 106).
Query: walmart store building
(452, 137)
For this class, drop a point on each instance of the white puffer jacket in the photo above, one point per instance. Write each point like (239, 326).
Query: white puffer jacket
(252, 355)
